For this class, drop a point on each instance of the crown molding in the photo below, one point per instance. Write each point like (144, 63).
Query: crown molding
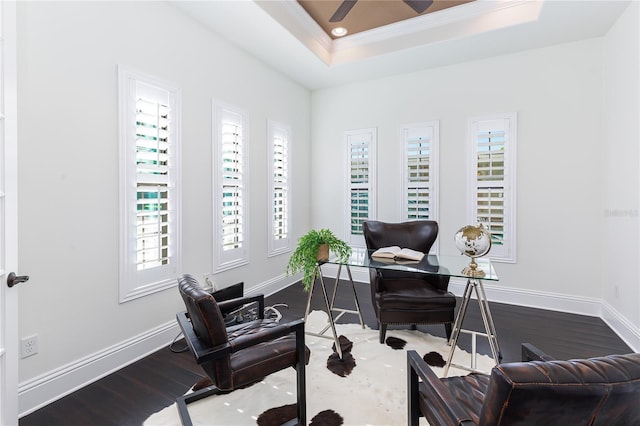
(437, 19)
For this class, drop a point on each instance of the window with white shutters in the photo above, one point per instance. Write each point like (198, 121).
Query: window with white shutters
(150, 196)
(361, 182)
(152, 183)
(420, 142)
(493, 145)
(280, 206)
(230, 191)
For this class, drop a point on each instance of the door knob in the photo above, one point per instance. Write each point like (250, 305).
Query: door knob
(13, 279)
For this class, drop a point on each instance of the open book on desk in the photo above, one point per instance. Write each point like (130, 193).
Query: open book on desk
(398, 254)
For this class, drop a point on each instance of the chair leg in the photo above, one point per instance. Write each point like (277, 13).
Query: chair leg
(412, 395)
(185, 419)
(301, 381)
(182, 402)
(302, 394)
(383, 331)
(448, 328)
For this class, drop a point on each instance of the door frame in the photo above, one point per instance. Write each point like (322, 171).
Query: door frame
(9, 235)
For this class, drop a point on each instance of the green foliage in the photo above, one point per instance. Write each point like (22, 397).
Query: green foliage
(304, 258)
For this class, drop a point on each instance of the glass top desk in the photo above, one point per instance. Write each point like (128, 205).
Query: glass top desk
(452, 266)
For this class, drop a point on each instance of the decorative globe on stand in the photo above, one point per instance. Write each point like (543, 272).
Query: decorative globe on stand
(473, 241)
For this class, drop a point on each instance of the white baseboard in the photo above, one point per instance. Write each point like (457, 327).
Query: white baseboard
(39, 391)
(271, 286)
(359, 274)
(53, 385)
(627, 331)
(533, 299)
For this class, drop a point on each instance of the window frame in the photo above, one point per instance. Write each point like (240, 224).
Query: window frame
(224, 260)
(133, 283)
(350, 137)
(505, 252)
(277, 246)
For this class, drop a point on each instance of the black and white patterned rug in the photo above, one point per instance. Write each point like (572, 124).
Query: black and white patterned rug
(368, 388)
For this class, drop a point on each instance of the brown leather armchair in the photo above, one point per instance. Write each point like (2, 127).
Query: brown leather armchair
(402, 297)
(596, 391)
(239, 355)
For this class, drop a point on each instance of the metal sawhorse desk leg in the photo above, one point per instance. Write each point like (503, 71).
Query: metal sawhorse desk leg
(487, 319)
(330, 306)
(343, 311)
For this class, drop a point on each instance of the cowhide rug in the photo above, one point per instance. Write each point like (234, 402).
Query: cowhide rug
(369, 388)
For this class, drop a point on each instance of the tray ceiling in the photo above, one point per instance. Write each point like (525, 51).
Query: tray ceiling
(283, 35)
(364, 15)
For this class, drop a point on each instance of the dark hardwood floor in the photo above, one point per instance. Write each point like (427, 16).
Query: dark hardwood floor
(129, 396)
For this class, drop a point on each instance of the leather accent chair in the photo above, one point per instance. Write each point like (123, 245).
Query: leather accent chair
(595, 391)
(400, 297)
(242, 354)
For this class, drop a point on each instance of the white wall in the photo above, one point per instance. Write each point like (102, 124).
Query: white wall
(68, 54)
(68, 182)
(556, 92)
(621, 136)
(577, 173)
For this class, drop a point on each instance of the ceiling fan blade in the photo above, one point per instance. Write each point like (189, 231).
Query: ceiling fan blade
(343, 10)
(419, 5)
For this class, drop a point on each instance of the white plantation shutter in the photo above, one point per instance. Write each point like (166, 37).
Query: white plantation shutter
(493, 146)
(420, 158)
(230, 186)
(279, 176)
(361, 181)
(490, 188)
(232, 182)
(490, 212)
(359, 171)
(280, 218)
(150, 196)
(152, 184)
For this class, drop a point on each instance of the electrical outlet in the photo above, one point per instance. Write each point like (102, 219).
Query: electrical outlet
(29, 346)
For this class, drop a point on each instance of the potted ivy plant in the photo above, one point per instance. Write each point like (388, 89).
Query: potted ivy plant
(314, 247)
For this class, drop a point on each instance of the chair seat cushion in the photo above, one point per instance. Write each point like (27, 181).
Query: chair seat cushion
(255, 362)
(258, 361)
(413, 294)
(468, 392)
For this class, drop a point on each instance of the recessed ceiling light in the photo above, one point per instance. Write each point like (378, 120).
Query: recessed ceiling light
(339, 31)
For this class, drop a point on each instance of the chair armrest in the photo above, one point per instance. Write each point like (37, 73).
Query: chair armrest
(450, 412)
(375, 279)
(532, 353)
(268, 334)
(201, 351)
(231, 304)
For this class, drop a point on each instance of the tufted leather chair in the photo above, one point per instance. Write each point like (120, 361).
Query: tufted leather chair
(242, 354)
(403, 297)
(596, 391)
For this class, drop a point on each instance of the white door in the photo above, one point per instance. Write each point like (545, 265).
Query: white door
(8, 217)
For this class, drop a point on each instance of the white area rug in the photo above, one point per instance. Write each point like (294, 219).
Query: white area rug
(375, 393)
